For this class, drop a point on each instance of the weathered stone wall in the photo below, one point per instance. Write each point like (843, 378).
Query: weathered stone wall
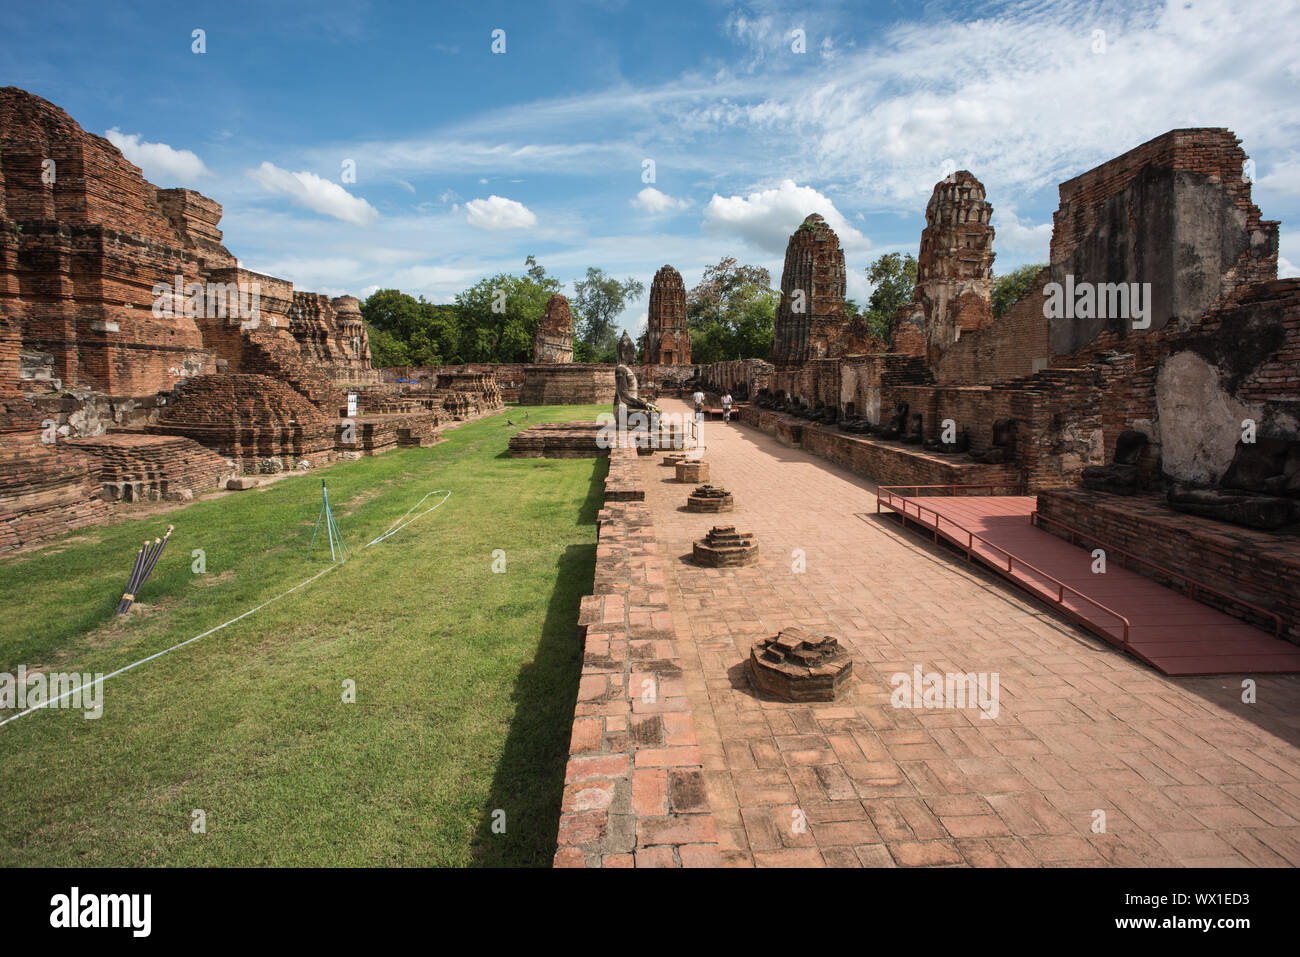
(1174, 212)
(567, 384)
(743, 378)
(135, 467)
(1013, 345)
(553, 339)
(1239, 363)
(885, 463)
(332, 335)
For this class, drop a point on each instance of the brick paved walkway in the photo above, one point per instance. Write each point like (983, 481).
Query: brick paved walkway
(1185, 773)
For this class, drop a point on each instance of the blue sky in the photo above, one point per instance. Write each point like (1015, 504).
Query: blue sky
(467, 160)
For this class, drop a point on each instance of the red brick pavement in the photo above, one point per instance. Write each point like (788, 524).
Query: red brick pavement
(1185, 773)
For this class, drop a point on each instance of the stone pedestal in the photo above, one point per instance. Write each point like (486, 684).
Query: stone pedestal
(797, 666)
(692, 470)
(709, 498)
(724, 547)
(578, 383)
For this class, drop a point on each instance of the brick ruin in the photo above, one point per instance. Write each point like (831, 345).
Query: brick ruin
(139, 359)
(1154, 359)
(553, 340)
(554, 378)
(811, 314)
(954, 269)
(667, 340)
(1070, 384)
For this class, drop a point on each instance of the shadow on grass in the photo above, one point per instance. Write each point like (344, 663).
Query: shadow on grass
(529, 780)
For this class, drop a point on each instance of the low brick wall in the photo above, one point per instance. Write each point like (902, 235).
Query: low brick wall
(634, 790)
(1255, 566)
(567, 384)
(885, 463)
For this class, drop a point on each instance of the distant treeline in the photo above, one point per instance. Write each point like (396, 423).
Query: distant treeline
(730, 314)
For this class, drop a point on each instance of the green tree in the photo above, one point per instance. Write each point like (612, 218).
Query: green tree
(597, 302)
(1009, 288)
(498, 316)
(714, 297)
(893, 280)
(386, 350)
(492, 321)
(731, 313)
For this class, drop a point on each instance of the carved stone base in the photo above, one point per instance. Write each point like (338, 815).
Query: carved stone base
(1116, 479)
(692, 470)
(708, 498)
(797, 666)
(724, 547)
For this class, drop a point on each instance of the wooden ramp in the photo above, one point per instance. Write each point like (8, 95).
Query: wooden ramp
(1161, 626)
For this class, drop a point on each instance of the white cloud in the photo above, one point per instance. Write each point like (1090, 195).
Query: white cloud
(1288, 254)
(497, 212)
(1014, 235)
(1282, 177)
(653, 201)
(161, 163)
(319, 195)
(766, 218)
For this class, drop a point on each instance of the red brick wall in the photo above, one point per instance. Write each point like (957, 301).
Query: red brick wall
(1005, 349)
(634, 791)
(880, 462)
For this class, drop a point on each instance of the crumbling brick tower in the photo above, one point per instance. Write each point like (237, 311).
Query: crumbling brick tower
(667, 340)
(811, 315)
(954, 269)
(553, 340)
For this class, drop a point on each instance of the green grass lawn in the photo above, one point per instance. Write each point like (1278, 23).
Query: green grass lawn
(465, 679)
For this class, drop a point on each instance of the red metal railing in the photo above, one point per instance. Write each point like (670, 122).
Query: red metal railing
(888, 499)
(1191, 584)
(1018, 487)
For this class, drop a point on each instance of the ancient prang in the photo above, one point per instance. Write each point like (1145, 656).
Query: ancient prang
(139, 359)
(668, 342)
(553, 340)
(811, 316)
(954, 268)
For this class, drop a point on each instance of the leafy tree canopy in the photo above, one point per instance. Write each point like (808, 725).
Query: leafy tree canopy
(893, 280)
(731, 313)
(597, 302)
(1007, 289)
(492, 321)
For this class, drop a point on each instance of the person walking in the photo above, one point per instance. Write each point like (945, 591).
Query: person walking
(726, 407)
(699, 404)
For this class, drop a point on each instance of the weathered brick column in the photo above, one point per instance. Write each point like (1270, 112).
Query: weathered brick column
(634, 793)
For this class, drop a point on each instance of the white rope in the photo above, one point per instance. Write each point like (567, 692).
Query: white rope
(136, 664)
(399, 524)
(392, 530)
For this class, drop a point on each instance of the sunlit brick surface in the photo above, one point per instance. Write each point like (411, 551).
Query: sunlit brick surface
(1185, 772)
